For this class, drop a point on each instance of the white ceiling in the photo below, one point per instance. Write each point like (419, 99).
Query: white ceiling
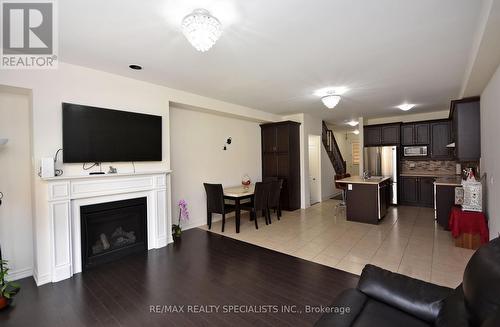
(273, 54)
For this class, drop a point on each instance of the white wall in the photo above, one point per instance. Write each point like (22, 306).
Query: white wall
(312, 126)
(490, 150)
(197, 156)
(76, 84)
(16, 236)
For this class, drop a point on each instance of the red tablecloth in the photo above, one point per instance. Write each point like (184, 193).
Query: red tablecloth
(468, 222)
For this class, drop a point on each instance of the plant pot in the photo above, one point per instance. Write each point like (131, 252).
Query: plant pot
(176, 232)
(4, 302)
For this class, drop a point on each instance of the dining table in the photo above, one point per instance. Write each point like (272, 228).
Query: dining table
(237, 194)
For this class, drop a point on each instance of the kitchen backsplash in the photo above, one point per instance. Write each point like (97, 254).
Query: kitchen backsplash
(438, 167)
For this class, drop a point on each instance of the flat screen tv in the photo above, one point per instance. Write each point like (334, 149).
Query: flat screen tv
(93, 134)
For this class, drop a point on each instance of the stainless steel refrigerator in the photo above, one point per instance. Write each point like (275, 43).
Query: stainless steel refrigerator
(383, 161)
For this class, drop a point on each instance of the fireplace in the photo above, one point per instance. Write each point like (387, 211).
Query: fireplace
(112, 230)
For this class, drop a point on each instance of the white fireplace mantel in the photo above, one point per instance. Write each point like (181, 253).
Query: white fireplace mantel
(66, 194)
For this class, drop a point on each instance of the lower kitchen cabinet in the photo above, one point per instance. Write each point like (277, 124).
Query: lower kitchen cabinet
(417, 191)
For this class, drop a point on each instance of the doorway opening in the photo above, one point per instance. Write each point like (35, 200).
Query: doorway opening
(315, 169)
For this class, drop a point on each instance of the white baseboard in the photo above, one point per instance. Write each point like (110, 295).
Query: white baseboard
(41, 279)
(20, 273)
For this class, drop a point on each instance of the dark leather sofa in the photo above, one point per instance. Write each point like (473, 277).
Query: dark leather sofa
(383, 298)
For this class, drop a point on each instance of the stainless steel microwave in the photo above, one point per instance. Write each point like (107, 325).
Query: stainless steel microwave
(415, 151)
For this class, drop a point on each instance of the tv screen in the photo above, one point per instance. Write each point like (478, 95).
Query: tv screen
(93, 134)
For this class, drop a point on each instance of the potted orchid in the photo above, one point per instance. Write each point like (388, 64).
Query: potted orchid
(183, 216)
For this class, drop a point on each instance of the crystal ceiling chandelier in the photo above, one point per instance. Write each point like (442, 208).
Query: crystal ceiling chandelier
(201, 29)
(331, 101)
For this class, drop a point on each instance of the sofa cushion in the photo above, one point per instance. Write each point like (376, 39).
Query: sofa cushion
(481, 284)
(413, 296)
(453, 312)
(377, 313)
(350, 298)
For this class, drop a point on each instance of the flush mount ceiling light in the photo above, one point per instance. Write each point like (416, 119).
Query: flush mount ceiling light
(201, 29)
(356, 131)
(353, 123)
(406, 106)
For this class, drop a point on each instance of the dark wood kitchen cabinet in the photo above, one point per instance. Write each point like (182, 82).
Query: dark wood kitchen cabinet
(281, 159)
(386, 134)
(440, 138)
(415, 134)
(372, 135)
(417, 191)
(426, 191)
(409, 190)
(465, 116)
(390, 134)
(422, 134)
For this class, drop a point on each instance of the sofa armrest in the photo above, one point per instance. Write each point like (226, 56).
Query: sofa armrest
(418, 298)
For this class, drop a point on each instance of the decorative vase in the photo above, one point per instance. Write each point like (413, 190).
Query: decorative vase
(176, 232)
(245, 181)
(3, 302)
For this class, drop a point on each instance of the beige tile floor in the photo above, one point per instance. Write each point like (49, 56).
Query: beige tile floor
(407, 241)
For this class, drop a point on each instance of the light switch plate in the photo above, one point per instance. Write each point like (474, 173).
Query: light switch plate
(349, 187)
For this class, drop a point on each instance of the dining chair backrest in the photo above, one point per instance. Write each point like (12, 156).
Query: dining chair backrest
(261, 195)
(274, 193)
(215, 198)
(269, 179)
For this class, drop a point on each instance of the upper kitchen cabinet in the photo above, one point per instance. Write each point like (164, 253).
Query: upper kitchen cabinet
(390, 134)
(373, 135)
(422, 134)
(465, 116)
(415, 134)
(440, 138)
(386, 134)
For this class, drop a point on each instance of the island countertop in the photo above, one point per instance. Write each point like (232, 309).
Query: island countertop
(449, 181)
(361, 180)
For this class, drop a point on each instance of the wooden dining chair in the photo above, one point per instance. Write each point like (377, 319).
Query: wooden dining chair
(259, 202)
(274, 198)
(216, 203)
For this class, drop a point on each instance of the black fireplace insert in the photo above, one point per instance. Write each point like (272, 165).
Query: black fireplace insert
(113, 230)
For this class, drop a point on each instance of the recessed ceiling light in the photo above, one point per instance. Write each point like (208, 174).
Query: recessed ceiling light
(331, 90)
(135, 67)
(406, 106)
(352, 123)
(356, 131)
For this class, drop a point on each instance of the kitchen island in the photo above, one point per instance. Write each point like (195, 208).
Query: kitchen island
(367, 198)
(444, 198)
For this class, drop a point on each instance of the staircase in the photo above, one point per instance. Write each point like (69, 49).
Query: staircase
(333, 150)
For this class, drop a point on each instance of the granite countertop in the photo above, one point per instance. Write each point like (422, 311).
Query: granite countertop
(449, 181)
(360, 180)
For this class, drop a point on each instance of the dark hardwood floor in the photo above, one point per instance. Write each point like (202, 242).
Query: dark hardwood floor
(203, 269)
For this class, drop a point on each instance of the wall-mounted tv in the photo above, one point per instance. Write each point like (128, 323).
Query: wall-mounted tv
(93, 134)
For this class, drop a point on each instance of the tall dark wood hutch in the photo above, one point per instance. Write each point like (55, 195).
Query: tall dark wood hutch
(281, 158)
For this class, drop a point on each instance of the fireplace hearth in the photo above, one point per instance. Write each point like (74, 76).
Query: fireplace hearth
(112, 230)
